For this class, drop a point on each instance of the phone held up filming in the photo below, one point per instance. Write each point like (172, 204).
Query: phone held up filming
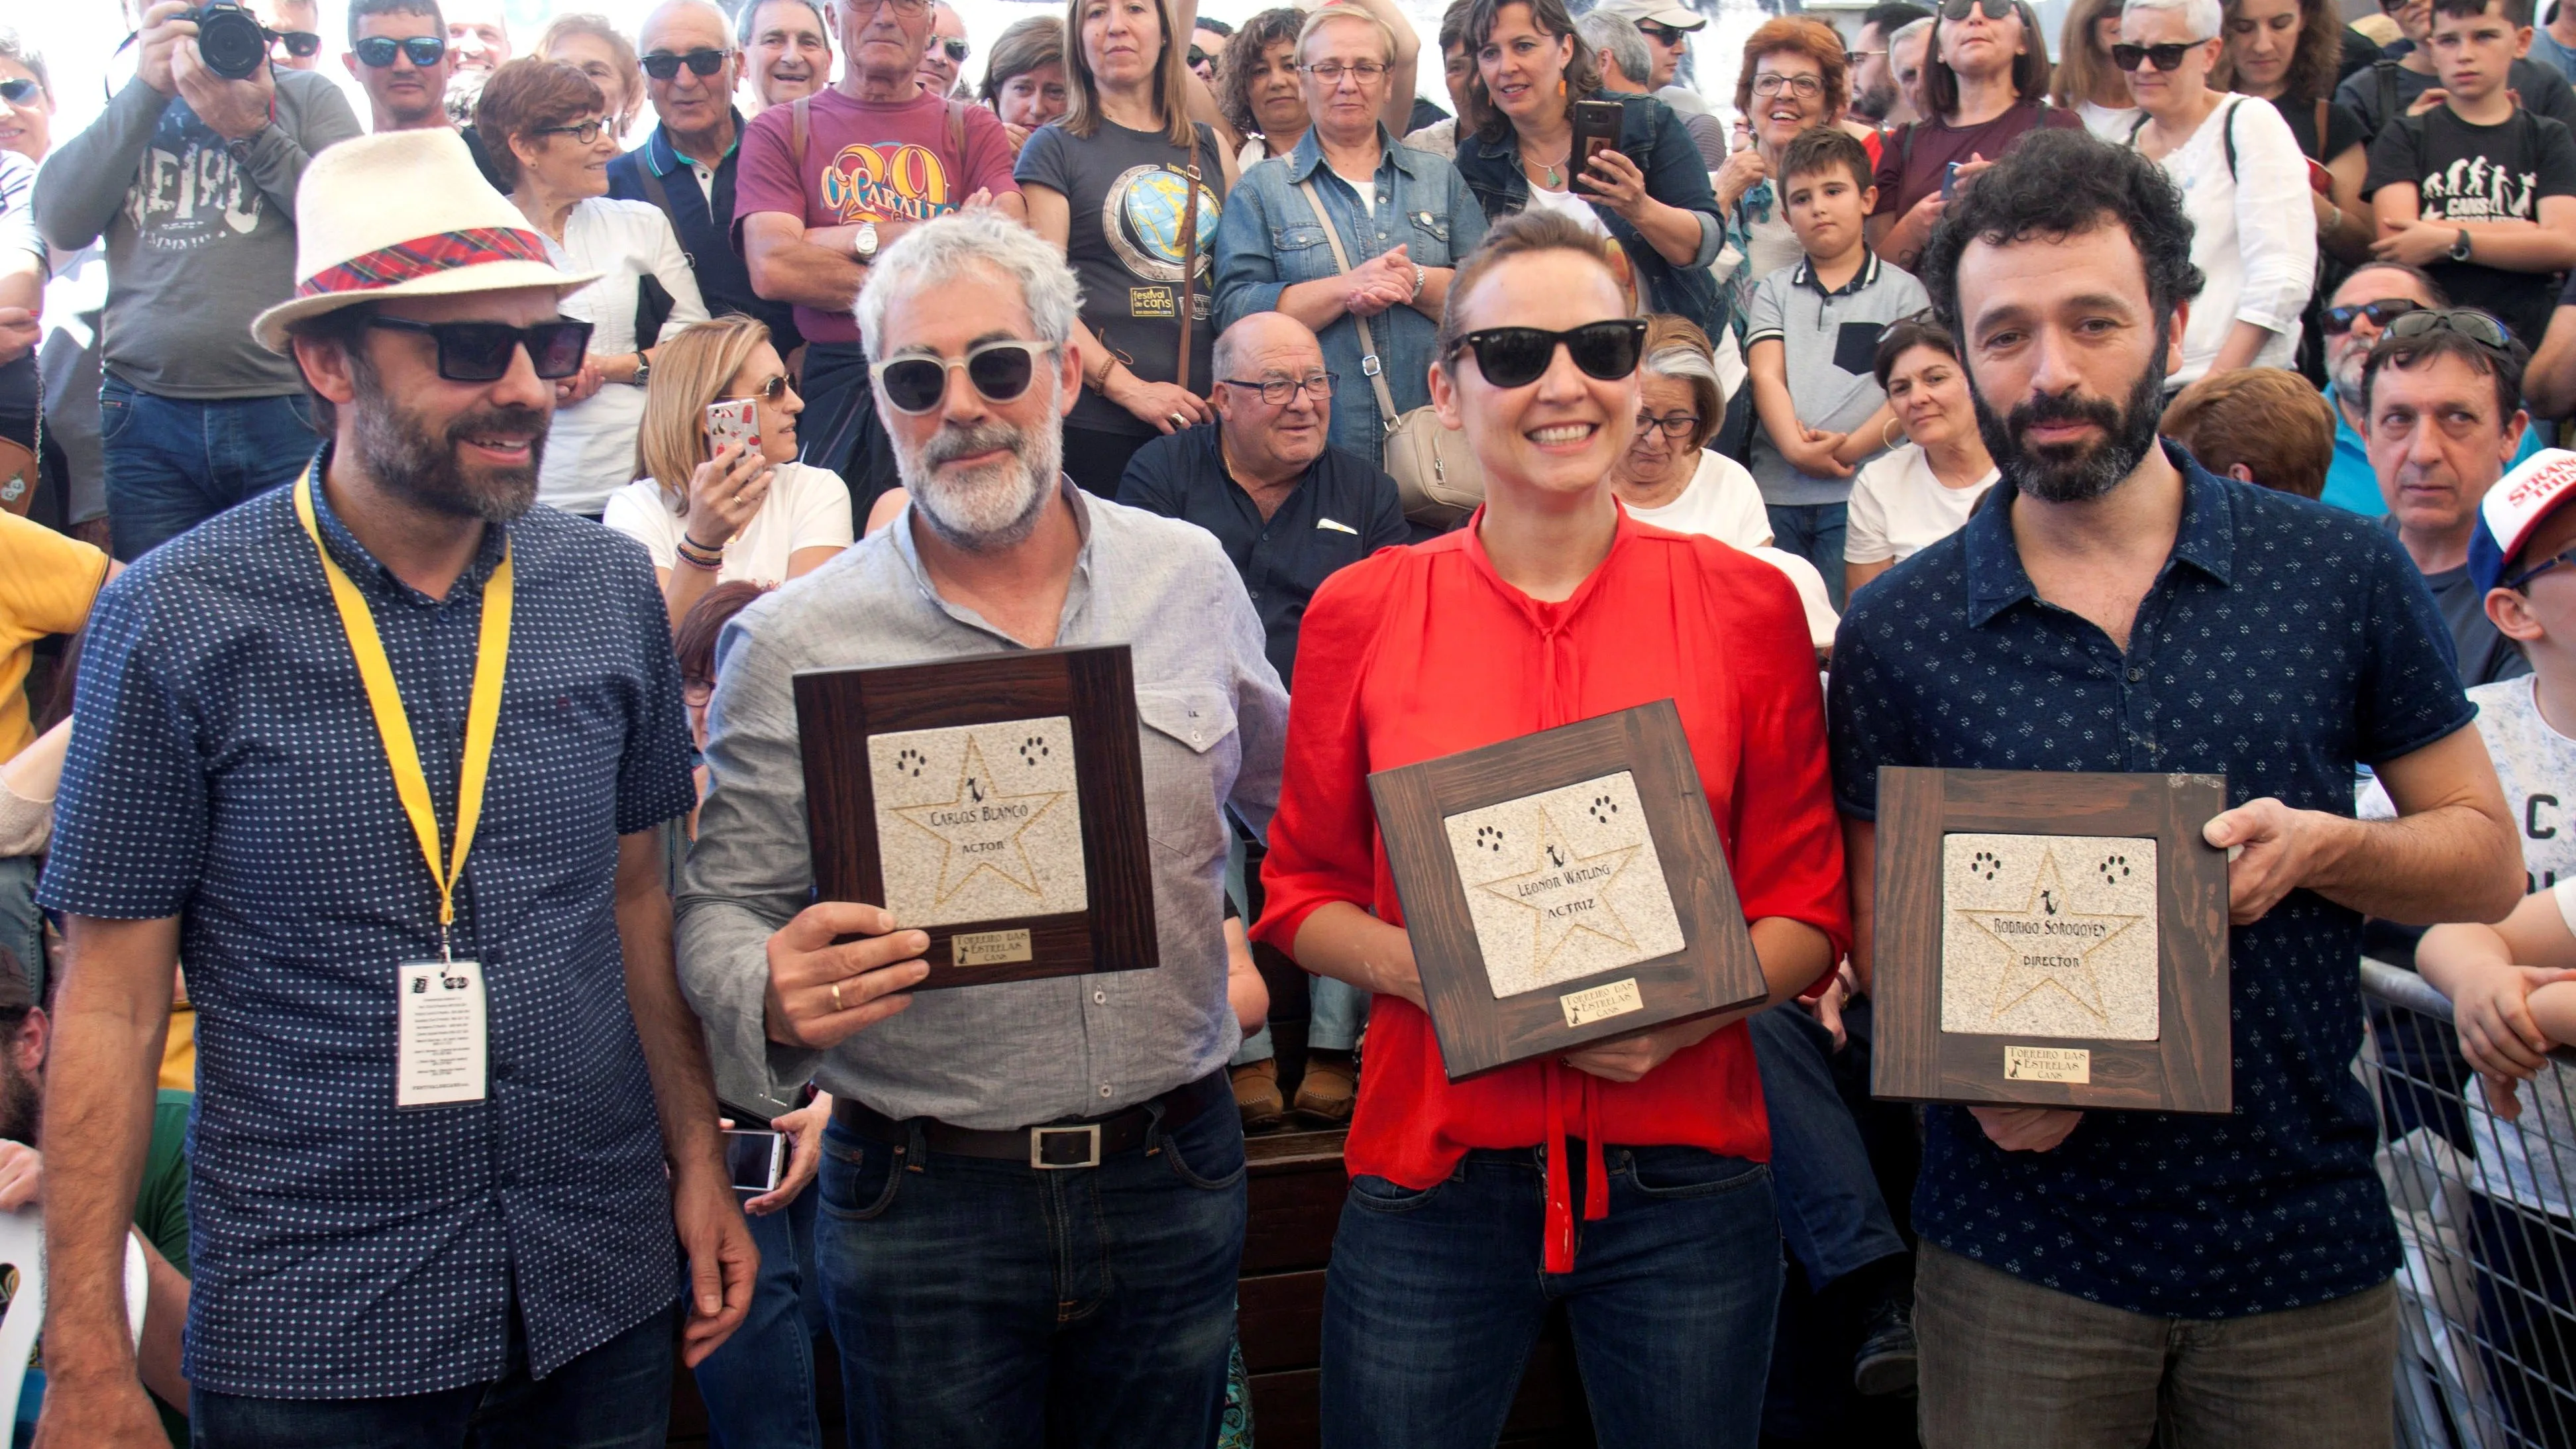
(733, 420)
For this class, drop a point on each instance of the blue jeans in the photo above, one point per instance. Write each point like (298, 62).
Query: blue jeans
(173, 463)
(759, 1387)
(617, 1396)
(1814, 532)
(1832, 1214)
(840, 429)
(1336, 1013)
(22, 925)
(1435, 1297)
(978, 1302)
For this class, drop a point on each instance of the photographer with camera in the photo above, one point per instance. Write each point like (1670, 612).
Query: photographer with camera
(190, 174)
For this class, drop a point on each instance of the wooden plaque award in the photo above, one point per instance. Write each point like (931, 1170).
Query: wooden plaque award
(996, 801)
(2051, 939)
(1564, 888)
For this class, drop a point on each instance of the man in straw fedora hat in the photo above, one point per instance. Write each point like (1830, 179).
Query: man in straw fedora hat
(384, 754)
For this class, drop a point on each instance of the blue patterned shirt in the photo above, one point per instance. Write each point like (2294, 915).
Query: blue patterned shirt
(2282, 642)
(226, 770)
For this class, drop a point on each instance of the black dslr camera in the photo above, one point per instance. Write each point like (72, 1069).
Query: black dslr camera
(230, 40)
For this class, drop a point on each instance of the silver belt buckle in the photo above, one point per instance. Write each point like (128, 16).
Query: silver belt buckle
(1089, 1132)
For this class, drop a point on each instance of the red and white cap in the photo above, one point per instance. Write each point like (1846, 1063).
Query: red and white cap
(2514, 507)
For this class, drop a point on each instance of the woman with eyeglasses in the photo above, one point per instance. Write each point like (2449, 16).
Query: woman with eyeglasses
(1625, 1179)
(1911, 497)
(544, 123)
(1024, 77)
(1794, 78)
(1516, 148)
(713, 513)
(2289, 52)
(2086, 82)
(2244, 186)
(589, 44)
(1985, 86)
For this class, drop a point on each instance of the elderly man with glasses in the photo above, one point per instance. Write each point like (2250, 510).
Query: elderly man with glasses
(947, 53)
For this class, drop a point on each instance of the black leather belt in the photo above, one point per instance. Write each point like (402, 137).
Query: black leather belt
(1080, 1142)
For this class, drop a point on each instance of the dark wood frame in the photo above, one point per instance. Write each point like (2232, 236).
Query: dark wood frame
(2187, 1069)
(838, 709)
(1716, 969)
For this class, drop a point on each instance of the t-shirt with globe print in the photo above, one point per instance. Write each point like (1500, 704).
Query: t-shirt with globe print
(1125, 191)
(866, 161)
(2482, 173)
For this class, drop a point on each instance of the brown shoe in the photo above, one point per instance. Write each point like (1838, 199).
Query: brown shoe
(1331, 1088)
(1256, 1095)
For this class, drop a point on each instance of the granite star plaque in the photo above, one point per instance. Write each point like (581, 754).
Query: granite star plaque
(1565, 887)
(2049, 936)
(996, 821)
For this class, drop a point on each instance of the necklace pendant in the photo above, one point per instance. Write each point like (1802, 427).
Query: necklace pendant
(1554, 181)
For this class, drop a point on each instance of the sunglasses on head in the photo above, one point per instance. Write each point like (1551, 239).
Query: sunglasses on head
(1519, 356)
(2339, 320)
(1001, 371)
(2476, 326)
(298, 43)
(378, 51)
(20, 92)
(661, 65)
(957, 50)
(768, 392)
(482, 351)
(2162, 57)
(1957, 10)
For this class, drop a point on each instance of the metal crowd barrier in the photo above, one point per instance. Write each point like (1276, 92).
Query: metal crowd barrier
(2487, 1289)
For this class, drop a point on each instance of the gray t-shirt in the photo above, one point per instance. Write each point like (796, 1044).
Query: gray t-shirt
(1828, 341)
(200, 240)
(1125, 190)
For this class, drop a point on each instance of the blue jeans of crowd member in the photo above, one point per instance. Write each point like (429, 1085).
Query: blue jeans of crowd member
(839, 428)
(22, 925)
(173, 463)
(617, 1396)
(1814, 532)
(1832, 1215)
(978, 1302)
(1434, 1299)
(759, 1387)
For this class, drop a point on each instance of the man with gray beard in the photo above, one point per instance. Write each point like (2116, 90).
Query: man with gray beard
(2118, 1277)
(977, 1132)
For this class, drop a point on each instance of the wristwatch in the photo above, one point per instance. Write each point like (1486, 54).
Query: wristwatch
(864, 245)
(2460, 248)
(643, 370)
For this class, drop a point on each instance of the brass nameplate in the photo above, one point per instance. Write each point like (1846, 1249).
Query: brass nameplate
(1615, 998)
(989, 948)
(2048, 1064)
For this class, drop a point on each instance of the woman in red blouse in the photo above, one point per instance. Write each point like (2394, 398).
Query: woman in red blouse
(1551, 606)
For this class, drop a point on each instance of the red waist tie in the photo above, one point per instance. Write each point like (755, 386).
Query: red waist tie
(1596, 1181)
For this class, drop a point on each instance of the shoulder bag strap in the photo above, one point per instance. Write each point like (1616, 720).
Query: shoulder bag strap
(1369, 364)
(956, 130)
(1189, 267)
(2322, 108)
(2227, 135)
(2386, 72)
(654, 191)
(800, 123)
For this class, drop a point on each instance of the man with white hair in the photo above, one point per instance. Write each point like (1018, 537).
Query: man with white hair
(974, 1132)
(947, 53)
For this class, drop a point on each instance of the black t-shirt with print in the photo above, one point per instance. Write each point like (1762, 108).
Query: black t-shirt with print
(2343, 129)
(2482, 173)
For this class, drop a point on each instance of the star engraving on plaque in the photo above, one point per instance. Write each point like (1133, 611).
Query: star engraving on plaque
(2045, 944)
(1567, 892)
(981, 825)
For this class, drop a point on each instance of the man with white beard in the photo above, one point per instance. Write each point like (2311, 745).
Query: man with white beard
(974, 1129)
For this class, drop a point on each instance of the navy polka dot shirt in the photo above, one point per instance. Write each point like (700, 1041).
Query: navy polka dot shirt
(225, 769)
(2282, 642)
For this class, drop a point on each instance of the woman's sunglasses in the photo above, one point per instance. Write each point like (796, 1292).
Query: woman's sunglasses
(1957, 10)
(1519, 356)
(661, 65)
(1001, 371)
(20, 92)
(2339, 320)
(2167, 57)
(768, 392)
(378, 51)
(482, 351)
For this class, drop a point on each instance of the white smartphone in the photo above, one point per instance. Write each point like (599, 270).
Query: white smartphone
(756, 1160)
(733, 420)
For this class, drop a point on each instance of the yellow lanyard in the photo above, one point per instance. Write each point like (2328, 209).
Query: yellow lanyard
(482, 711)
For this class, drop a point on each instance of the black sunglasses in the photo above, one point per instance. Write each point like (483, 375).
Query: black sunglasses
(378, 51)
(19, 92)
(2476, 326)
(1660, 34)
(2339, 320)
(1197, 56)
(482, 351)
(1001, 371)
(2164, 57)
(957, 50)
(1955, 10)
(662, 64)
(298, 43)
(1519, 356)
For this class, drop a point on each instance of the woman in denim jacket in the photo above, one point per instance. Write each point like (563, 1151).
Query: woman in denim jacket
(1651, 195)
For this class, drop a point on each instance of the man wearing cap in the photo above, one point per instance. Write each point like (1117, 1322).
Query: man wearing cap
(1667, 26)
(386, 755)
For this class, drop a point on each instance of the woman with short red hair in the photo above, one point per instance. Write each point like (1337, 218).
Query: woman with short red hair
(1794, 78)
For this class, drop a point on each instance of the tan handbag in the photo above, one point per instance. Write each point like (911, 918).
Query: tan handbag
(1436, 474)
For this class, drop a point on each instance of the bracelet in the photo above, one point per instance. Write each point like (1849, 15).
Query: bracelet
(697, 560)
(1417, 281)
(1100, 384)
(1883, 430)
(691, 540)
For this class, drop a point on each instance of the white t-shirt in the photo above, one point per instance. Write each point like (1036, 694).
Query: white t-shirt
(806, 508)
(2108, 123)
(1568, 204)
(1898, 506)
(1721, 501)
(591, 444)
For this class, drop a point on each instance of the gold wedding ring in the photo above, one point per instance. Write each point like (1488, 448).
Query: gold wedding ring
(836, 996)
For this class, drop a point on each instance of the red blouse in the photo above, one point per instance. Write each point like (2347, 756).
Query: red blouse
(1425, 651)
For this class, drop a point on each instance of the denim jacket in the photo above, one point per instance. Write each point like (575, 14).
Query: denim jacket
(1651, 135)
(1271, 240)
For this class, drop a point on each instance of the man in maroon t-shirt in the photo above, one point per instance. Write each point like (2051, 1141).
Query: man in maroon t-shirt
(876, 156)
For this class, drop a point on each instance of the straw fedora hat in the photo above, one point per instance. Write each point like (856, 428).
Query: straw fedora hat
(404, 214)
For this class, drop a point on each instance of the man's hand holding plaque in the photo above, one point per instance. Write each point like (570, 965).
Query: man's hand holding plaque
(820, 993)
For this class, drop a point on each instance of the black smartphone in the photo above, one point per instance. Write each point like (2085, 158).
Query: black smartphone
(1596, 129)
(756, 1159)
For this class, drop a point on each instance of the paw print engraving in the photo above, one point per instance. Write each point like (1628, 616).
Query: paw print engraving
(2114, 868)
(1032, 750)
(910, 761)
(1985, 864)
(1603, 807)
(1489, 837)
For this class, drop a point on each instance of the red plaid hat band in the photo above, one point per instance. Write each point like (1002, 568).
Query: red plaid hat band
(425, 256)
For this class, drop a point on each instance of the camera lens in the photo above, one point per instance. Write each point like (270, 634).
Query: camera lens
(230, 41)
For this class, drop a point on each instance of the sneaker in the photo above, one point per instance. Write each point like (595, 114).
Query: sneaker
(1885, 1363)
(1256, 1095)
(1330, 1090)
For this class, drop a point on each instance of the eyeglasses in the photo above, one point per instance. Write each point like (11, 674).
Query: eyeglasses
(1771, 83)
(1330, 72)
(908, 9)
(1519, 356)
(582, 133)
(1001, 371)
(2339, 320)
(298, 43)
(768, 392)
(378, 51)
(1675, 426)
(19, 92)
(1957, 10)
(957, 50)
(2476, 326)
(483, 351)
(1277, 391)
(661, 65)
(2517, 580)
(2163, 57)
